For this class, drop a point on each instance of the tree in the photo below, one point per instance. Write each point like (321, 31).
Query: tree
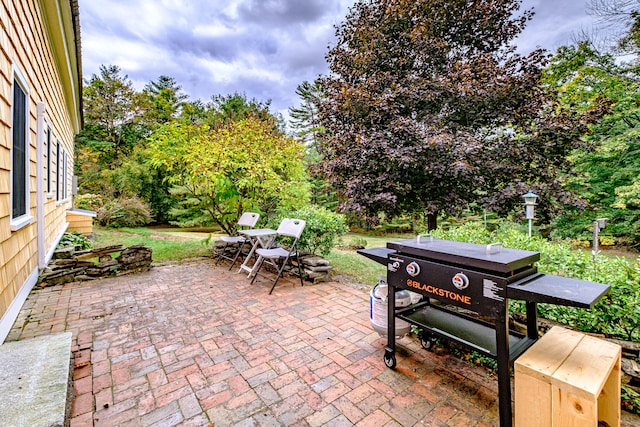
(226, 109)
(161, 101)
(608, 176)
(304, 119)
(429, 108)
(623, 16)
(110, 110)
(220, 172)
(164, 99)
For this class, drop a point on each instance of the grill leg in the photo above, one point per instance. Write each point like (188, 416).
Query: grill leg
(389, 353)
(504, 380)
(532, 320)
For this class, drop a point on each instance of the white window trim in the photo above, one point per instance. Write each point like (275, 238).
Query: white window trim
(61, 175)
(56, 191)
(48, 146)
(16, 224)
(65, 191)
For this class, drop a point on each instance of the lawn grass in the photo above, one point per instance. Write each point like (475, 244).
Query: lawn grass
(355, 268)
(164, 247)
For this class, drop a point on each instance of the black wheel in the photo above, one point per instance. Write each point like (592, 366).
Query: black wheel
(426, 341)
(390, 360)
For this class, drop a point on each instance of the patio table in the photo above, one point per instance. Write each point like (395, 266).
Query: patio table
(260, 237)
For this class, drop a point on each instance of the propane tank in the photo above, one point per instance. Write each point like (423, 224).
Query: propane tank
(378, 308)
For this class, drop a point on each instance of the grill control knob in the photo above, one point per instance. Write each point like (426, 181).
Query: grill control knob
(413, 269)
(460, 281)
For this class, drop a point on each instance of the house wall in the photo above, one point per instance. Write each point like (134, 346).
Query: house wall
(34, 43)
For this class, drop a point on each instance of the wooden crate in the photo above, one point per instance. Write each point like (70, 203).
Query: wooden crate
(568, 379)
(80, 221)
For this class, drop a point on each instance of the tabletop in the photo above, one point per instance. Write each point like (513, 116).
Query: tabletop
(258, 232)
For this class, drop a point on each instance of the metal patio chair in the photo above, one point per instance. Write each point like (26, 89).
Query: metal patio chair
(280, 256)
(248, 220)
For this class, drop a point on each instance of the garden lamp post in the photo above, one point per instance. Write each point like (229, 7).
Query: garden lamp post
(598, 225)
(529, 203)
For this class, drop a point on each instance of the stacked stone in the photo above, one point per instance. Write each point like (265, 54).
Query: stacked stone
(229, 249)
(315, 268)
(71, 265)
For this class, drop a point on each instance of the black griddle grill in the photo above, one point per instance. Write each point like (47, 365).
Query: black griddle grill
(479, 279)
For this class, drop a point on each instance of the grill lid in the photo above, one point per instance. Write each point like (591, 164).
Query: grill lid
(486, 257)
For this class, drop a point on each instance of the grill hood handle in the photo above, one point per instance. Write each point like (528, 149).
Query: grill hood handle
(420, 236)
(492, 246)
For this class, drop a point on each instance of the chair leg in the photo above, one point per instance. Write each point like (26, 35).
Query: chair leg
(280, 270)
(299, 269)
(260, 261)
(235, 258)
(224, 248)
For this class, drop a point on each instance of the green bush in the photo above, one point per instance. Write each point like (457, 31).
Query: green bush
(322, 230)
(124, 212)
(91, 202)
(74, 239)
(359, 242)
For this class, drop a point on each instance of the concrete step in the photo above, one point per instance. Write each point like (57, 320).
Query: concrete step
(34, 381)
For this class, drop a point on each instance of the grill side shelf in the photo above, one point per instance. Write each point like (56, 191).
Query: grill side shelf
(379, 255)
(473, 333)
(550, 289)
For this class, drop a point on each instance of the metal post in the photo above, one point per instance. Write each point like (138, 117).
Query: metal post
(532, 320)
(598, 225)
(390, 351)
(596, 231)
(502, 357)
(529, 204)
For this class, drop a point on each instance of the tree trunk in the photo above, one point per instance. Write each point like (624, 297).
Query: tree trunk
(432, 221)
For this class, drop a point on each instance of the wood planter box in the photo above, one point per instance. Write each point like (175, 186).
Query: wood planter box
(568, 379)
(80, 220)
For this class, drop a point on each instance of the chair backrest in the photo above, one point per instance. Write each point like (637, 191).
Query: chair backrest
(248, 219)
(291, 227)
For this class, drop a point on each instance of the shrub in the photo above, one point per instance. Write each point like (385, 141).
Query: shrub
(92, 202)
(124, 212)
(358, 242)
(75, 239)
(322, 230)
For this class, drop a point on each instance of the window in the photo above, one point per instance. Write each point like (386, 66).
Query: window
(61, 172)
(19, 154)
(58, 166)
(49, 161)
(64, 174)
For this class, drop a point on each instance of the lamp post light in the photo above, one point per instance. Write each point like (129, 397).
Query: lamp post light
(529, 203)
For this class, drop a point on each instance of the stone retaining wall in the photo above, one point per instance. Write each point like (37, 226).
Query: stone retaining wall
(71, 265)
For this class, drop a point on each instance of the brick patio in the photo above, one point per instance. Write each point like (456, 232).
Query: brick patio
(196, 345)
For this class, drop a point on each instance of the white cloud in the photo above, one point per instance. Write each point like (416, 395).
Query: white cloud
(262, 48)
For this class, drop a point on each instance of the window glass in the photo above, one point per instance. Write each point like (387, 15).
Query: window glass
(64, 175)
(58, 166)
(19, 152)
(49, 160)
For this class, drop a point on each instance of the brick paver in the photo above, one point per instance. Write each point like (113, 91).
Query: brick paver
(196, 345)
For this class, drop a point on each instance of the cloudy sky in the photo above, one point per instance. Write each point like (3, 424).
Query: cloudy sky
(261, 48)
